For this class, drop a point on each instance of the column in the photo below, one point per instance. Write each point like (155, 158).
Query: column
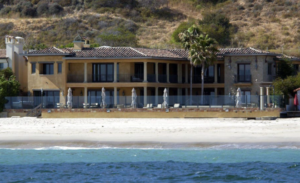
(145, 96)
(168, 73)
(115, 96)
(268, 95)
(156, 71)
(115, 72)
(186, 73)
(145, 72)
(85, 72)
(261, 98)
(179, 73)
(156, 95)
(216, 73)
(216, 91)
(85, 95)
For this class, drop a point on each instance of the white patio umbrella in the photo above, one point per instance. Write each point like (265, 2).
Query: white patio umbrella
(133, 96)
(165, 98)
(238, 97)
(103, 97)
(69, 102)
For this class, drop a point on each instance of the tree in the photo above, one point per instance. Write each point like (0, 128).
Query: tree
(286, 86)
(285, 68)
(202, 51)
(9, 86)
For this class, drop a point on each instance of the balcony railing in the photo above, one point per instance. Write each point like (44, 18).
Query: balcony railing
(75, 78)
(151, 78)
(173, 79)
(207, 79)
(270, 78)
(243, 79)
(162, 78)
(100, 78)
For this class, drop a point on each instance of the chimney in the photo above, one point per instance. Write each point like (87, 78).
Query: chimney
(10, 50)
(80, 43)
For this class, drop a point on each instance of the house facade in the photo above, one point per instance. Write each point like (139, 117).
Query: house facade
(51, 72)
(10, 57)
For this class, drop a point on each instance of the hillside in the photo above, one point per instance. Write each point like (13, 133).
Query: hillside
(264, 24)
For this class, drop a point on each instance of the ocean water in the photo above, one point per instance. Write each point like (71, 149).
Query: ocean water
(194, 163)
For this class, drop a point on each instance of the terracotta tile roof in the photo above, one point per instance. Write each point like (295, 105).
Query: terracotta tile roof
(241, 51)
(288, 57)
(2, 53)
(50, 51)
(107, 52)
(128, 52)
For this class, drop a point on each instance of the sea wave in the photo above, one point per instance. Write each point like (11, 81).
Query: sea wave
(228, 146)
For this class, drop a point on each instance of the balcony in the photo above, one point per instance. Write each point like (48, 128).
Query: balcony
(75, 78)
(130, 78)
(162, 78)
(207, 79)
(242, 79)
(173, 79)
(101, 78)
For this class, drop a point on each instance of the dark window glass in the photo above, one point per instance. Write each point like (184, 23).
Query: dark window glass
(103, 72)
(59, 68)
(33, 66)
(269, 68)
(296, 68)
(244, 73)
(1, 66)
(48, 69)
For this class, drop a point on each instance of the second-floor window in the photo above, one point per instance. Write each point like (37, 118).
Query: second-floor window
(48, 69)
(33, 68)
(269, 68)
(103, 72)
(59, 68)
(244, 73)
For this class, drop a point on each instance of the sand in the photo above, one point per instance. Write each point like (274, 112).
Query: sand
(151, 130)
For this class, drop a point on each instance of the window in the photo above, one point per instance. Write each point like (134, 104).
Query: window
(33, 68)
(59, 68)
(1, 66)
(296, 68)
(48, 69)
(270, 68)
(103, 72)
(244, 74)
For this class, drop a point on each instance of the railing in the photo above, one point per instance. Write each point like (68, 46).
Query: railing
(95, 78)
(75, 78)
(162, 78)
(36, 112)
(270, 78)
(243, 79)
(197, 79)
(151, 78)
(195, 101)
(173, 79)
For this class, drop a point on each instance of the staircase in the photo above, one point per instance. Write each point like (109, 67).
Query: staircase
(36, 112)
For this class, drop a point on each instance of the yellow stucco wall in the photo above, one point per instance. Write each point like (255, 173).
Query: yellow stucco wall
(162, 114)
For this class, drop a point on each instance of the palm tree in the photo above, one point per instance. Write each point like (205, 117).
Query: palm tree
(202, 51)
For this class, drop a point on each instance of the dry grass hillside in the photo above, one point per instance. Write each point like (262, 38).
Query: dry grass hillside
(264, 24)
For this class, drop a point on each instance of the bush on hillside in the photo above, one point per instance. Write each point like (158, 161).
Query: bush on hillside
(217, 26)
(5, 11)
(55, 9)
(42, 8)
(182, 27)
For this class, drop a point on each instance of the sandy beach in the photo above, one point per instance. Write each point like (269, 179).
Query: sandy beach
(151, 130)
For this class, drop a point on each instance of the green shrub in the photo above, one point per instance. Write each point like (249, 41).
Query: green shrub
(55, 9)
(5, 10)
(182, 27)
(42, 8)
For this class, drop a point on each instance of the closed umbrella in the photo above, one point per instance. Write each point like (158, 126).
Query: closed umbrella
(296, 100)
(69, 103)
(238, 97)
(133, 96)
(103, 97)
(165, 98)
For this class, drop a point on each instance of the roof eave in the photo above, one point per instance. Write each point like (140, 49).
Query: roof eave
(46, 54)
(123, 58)
(259, 54)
